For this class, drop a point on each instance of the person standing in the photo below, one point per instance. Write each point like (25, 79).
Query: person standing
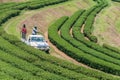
(34, 31)
(24, 32)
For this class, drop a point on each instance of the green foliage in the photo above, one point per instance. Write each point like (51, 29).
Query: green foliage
(66, 36)
(50, 61)
(80, 37)
(19, 61)
(9, 10)
(30, 4)
(16, 73)
(4, 6)
(114, 49)
(4, 76)
(7, 15)
(90, 20)
(37, 62)
(77, 54)
(116, 0)
(48, 58)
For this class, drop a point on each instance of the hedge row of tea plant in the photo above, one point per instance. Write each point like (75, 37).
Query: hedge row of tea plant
(28, 67)
(90, 20)
(80, 37)
(3, 18)
(35, 52)
(16, 73)
(9, 10)
(30, 4)
(52, 60)
(7, 15)
(25, 56)
(53, 69)
(114, 49)
(116, 0)
(66, 36)
(76, 53)
(4, 76)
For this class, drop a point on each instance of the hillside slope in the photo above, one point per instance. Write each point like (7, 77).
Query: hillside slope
(21, 62)
(106, 26)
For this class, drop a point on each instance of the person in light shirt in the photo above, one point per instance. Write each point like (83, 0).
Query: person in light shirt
(34, 31)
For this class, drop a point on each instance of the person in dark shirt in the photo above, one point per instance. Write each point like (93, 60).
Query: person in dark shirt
(24, 32)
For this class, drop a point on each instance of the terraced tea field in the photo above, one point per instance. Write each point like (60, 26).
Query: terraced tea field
(77, 32)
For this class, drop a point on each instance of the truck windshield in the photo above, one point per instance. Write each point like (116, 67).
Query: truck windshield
(37, 39)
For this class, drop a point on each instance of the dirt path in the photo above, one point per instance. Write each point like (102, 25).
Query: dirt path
(71, 32)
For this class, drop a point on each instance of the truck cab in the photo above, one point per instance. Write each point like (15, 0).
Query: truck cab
(38, 41)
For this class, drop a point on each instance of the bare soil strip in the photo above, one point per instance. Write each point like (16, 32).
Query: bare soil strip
(71, 32)
(82, 31)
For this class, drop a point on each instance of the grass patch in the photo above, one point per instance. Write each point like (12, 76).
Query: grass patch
(108, 18)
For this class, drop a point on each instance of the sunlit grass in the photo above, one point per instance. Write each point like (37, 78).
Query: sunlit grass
(108, 17)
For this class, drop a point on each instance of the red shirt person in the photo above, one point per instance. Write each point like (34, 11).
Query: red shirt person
(24, 32)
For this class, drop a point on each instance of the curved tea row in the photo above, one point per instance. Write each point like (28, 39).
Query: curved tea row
(82, 51)
(17, 61)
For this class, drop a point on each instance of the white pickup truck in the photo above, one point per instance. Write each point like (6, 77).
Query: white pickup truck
(38, 42)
